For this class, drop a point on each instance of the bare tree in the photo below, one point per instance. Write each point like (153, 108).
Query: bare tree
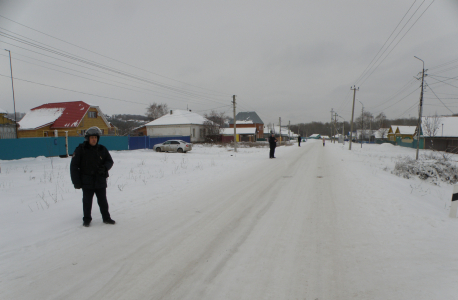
(216, 117)
(380, 119)
(155, 110)
(431, 125)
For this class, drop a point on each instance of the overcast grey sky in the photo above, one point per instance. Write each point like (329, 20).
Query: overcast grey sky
(290, 59)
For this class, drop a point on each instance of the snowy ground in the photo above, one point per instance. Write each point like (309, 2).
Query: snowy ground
(315, 223)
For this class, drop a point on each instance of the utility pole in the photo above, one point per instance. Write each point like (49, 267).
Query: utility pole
(421, 108)
(352, 114)
(335, 126)
(235, 126)
(12, 86)
(332, 116)
(279, 120)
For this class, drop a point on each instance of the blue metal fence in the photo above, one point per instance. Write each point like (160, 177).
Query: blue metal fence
(52, 146)
(55, 146)
(31, 147)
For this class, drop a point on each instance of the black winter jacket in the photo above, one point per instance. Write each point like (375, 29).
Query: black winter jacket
(272, 142)
(90, 165)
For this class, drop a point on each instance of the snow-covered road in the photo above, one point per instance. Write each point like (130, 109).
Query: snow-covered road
(311, 224)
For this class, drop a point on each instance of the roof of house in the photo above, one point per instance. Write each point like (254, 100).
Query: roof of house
(245, 130)
(276, 129)
(407, 129)
(2, 111)
(59, 114)
(315, 135)
(446, 127)
(248, 116)
(179, 117)
(404, 129)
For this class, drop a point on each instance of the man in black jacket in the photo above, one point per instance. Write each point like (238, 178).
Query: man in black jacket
(273, 145)
(89, 171)
(299, 139)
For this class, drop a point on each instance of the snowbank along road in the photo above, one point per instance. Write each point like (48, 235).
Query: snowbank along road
(307, 225)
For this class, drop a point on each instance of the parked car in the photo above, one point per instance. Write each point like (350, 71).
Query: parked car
(174, 146)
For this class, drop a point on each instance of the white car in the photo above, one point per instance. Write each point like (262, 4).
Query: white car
(174, 146)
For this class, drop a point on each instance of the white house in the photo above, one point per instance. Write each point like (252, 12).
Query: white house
(178, 123)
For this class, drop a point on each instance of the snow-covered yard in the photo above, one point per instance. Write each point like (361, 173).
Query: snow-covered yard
(213, 224)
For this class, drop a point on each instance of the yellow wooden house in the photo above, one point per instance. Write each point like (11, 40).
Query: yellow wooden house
(404, 132)
(55, 119)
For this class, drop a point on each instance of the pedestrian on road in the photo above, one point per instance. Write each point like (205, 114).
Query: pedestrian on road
(89, 171)
(299, 139)
(323, 142)
(273, 145)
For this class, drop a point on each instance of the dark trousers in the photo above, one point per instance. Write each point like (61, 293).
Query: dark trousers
(101, 194)
(272, 152)
(299, 143)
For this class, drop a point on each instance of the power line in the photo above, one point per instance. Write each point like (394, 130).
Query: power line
(56, 87)
(357, 80)
(108, 56)
(104, 67)
(93, 80)
(439, 98)
(398, 41)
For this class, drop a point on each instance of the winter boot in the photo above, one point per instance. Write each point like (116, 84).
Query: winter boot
(109, 221)
(86, 223)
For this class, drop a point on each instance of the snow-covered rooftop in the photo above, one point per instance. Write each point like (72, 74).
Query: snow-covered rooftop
(2, 111)
(444, 126)
(406, 129)
(244, 122)
(179, 117)
(39, 118)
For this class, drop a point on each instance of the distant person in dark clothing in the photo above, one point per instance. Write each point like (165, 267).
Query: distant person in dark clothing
(89, 171)
(273, 145)
(323, 142)
(299, 139)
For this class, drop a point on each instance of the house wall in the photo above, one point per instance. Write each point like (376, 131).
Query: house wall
(85, 124)
(4, 120)
(196, 132)
(259, 127)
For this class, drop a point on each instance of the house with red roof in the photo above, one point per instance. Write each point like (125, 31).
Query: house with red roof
(53, 119)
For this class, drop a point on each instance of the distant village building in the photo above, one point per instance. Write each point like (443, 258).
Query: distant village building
(249, 119)
(244, 134)
(178, 123)
(54, 119)
(403, 132)
(7, 126)
(440, 133)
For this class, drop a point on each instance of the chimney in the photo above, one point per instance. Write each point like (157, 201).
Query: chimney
(171, 112)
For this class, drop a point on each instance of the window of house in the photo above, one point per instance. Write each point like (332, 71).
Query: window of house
(45, 133)
(83, 132)
(92, 114)
(201, 132)
(103, 131)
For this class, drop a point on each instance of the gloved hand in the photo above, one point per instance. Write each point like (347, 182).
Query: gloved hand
(77, 186)
(102, 170)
